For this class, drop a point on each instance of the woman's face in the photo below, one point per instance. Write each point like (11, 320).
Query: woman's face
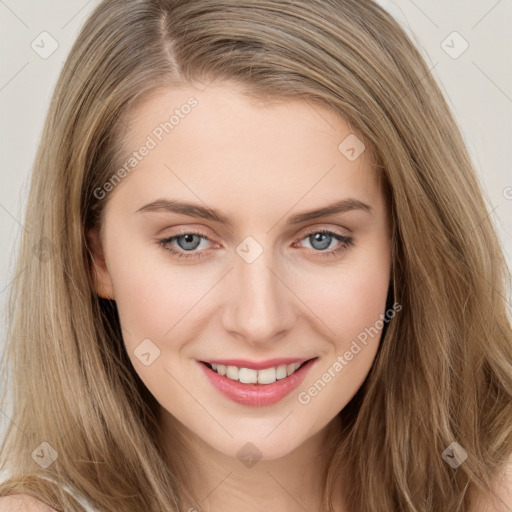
(214, 252)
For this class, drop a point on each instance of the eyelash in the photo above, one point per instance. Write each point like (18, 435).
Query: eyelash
(345, 243)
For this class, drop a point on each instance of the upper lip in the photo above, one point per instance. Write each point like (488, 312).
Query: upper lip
(258, 365)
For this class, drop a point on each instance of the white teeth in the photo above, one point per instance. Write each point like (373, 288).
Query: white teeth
(267, 376)
(292, 367)
(281, 371)
(232, 372)
(250, 376)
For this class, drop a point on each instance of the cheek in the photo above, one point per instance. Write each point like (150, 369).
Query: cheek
(351, 303)
(347, 298)
(345, 367)
(363, 298)
(152, 294)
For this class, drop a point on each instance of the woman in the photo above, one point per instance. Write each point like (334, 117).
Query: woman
(265, 274)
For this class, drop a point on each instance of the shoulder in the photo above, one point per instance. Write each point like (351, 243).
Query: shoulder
(23, 503)
(500, 500)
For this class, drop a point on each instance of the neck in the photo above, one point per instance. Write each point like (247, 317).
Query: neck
(220, 482)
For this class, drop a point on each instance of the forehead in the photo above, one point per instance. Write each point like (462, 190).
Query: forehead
(220, 143)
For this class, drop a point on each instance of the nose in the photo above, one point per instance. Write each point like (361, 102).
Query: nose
(260, 308)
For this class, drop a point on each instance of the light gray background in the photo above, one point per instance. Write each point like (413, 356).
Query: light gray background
(477, 84)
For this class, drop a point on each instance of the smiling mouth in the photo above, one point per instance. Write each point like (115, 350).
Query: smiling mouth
(260, 387)
(263, 376)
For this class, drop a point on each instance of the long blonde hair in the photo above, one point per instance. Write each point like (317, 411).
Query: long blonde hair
(443, 372)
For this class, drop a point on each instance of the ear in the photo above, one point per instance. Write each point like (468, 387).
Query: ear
(101, 276)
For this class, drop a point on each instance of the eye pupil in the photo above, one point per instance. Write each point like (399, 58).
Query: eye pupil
(189, 239)
(322, 238)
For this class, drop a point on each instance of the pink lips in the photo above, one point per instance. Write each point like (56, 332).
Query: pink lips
(256, 394)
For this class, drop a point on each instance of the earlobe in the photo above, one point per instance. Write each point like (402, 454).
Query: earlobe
(100, 274)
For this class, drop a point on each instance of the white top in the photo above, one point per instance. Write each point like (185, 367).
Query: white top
(87, 506)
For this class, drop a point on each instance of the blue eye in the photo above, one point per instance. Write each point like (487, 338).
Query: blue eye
(189, 242)
(320, 241)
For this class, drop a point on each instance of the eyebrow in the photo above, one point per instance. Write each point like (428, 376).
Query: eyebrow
(196, 210)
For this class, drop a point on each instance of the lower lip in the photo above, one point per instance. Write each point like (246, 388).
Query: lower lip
(257, 394)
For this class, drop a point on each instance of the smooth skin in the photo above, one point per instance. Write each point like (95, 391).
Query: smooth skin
(258, 164)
